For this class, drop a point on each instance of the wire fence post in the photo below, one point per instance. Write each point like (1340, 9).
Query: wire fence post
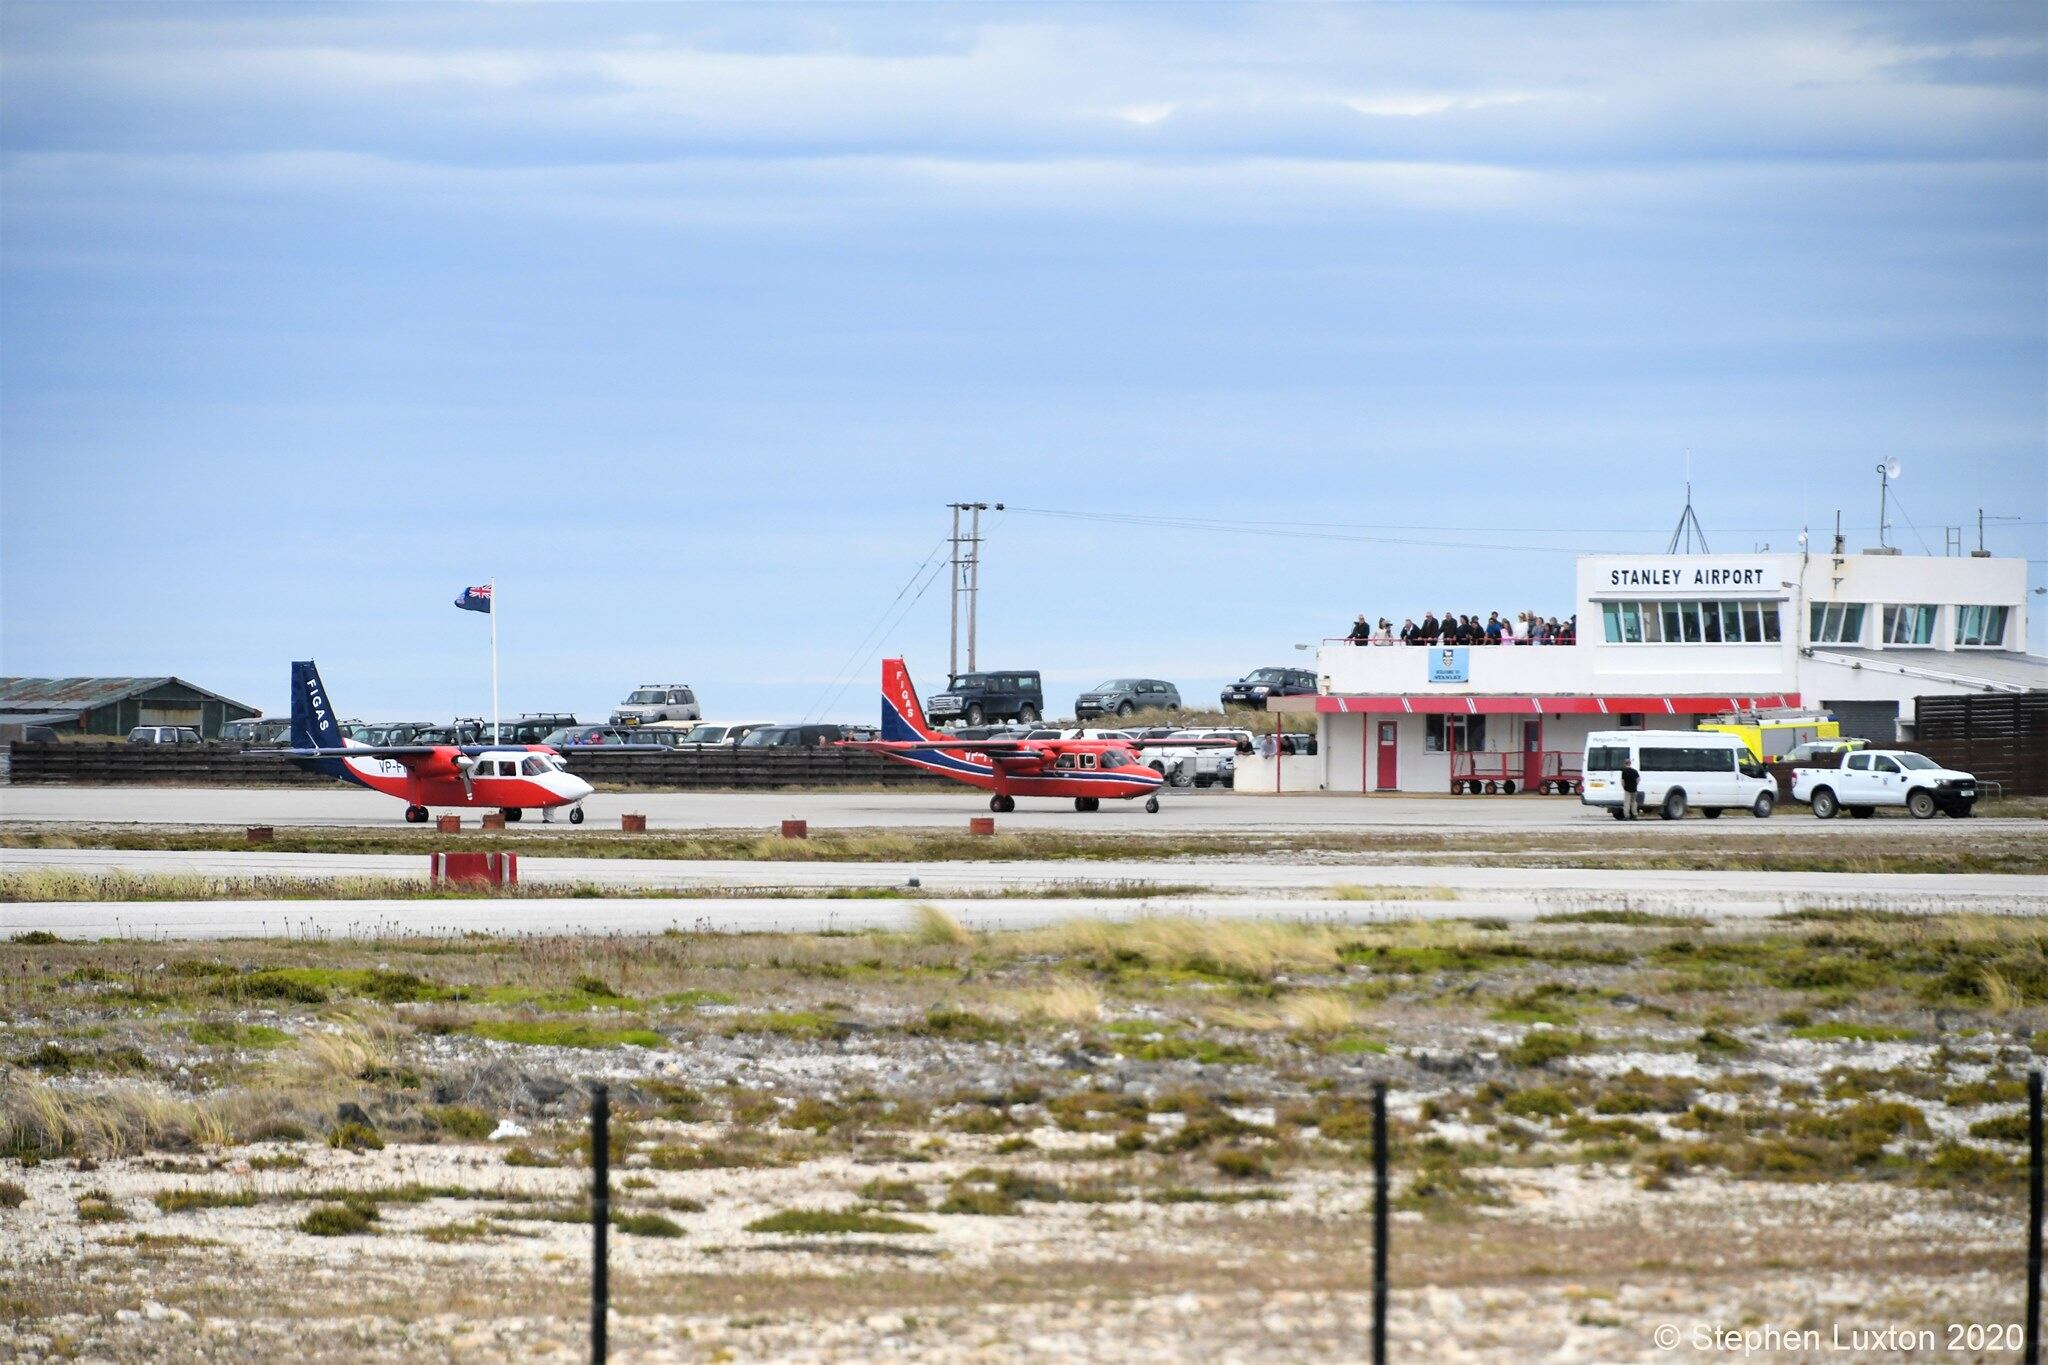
(600, 1217)
(1379, 1223)
(2033, 1352)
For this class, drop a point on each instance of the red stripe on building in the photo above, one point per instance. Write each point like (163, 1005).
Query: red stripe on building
(1556, 706)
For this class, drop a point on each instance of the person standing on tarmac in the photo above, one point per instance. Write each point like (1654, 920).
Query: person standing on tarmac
(1631, 789)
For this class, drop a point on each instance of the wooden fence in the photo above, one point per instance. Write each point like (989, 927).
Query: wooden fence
(223, 765)
(2000, 738)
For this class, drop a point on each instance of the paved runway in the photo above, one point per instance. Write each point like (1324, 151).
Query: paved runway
(1181, 811)
(1057, 890)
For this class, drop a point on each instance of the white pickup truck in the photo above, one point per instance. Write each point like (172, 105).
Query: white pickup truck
(1869, 778)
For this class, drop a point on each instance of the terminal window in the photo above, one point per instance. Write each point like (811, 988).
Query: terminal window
(1836, 623)
(1690, 623)
(1909, 625)
(1457, 734)
(1980, 626)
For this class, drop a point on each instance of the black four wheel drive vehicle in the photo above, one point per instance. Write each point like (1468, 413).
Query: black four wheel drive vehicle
(1256, 686)
(977, 698)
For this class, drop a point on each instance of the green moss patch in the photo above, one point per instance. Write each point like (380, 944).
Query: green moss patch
(562, 1033)
(832, 1222)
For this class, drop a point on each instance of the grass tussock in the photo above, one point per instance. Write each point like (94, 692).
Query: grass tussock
(1065, 1000)
(931, 927)
(38, 1120)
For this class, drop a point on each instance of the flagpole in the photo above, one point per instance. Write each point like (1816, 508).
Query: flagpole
(495, 731)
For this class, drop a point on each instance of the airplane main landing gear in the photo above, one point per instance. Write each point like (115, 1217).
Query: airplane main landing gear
(511, 814)
(1002, 805)
(1151, 805)
(1087, 802)
(575, 815)
(415, 815)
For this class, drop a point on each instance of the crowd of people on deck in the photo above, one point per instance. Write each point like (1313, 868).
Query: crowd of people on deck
(1452, 628)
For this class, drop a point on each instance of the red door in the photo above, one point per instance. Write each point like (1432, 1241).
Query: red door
(1532, 754)
(1387, 769)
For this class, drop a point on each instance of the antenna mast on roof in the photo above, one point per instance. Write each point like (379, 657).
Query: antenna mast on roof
(1688, 529)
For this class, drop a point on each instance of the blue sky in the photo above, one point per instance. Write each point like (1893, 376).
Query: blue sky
(685, 324)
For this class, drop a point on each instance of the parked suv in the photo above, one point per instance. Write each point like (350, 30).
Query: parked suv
(1122, 696)
(977, 698)
(163, 734)
(793, 736)
(465, 730)
(267, 732)
(1870, 778)
(1256, 686)
(657, 701)
(531, 727)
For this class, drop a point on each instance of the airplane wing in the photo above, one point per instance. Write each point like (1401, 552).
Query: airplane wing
(1188, 744)
(401, 752)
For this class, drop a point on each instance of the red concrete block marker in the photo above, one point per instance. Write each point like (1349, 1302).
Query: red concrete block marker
(449, 824)
(981, 824)
(494, 869)
(261, 834)
(633, 824)
(796, 829)
(494, 821)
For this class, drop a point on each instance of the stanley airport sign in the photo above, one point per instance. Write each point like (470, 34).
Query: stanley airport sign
(1689, 577)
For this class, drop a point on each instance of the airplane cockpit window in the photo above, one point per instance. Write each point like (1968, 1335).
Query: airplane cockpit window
(1115, 759)
(534, 766)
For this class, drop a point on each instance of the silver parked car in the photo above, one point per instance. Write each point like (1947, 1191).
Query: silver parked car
(163, 734)
(657, 701)
(1125, 696)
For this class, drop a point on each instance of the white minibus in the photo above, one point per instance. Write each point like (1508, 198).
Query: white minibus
(1679, 768)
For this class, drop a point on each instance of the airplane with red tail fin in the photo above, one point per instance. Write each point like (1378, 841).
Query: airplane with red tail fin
(1090, 771)
(511, 778)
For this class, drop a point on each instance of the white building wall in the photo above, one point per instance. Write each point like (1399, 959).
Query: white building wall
(1947, 582)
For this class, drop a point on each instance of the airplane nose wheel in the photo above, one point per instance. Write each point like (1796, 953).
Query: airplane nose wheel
(575, 815)
(1002, 805)
(1151, 805)
(415, 815)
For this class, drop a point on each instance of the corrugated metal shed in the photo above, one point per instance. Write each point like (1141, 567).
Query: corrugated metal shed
(110, 706)
(86, 694)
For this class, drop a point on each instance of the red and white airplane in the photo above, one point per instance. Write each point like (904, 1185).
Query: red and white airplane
(1090, 771)
(513, 778)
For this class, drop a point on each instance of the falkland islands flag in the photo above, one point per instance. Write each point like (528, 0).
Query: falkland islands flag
(475, 599)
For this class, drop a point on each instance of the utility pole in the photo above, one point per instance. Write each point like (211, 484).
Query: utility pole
(953, 617)
(966, 582)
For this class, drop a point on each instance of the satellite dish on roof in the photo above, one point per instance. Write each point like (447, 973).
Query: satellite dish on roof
(1892, 467)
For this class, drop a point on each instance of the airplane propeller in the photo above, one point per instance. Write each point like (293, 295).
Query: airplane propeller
(463, 764)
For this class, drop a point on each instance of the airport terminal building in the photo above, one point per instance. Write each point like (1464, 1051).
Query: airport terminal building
(1666, 641)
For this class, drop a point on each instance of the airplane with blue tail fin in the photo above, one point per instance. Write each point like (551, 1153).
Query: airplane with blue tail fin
(1089, 771)
(512, 778)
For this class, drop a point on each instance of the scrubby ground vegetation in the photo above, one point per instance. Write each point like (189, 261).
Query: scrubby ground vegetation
(1790, 842)
(1143, 1139)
